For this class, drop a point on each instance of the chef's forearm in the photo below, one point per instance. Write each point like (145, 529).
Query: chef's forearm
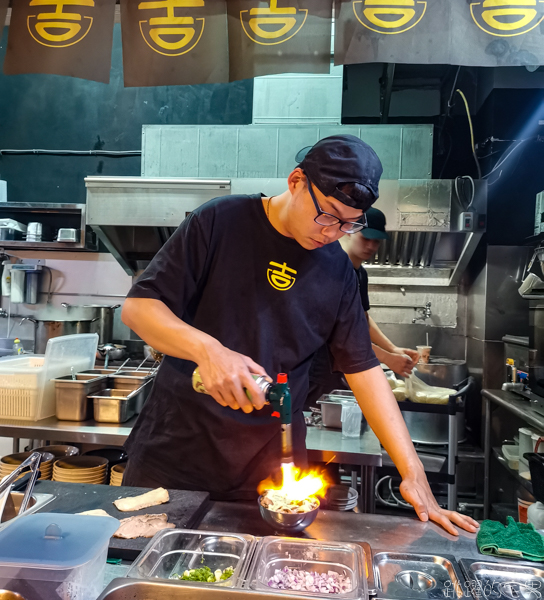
(379, 338)
(158, 326)
(381, 410)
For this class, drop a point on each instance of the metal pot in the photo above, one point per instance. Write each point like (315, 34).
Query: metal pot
(102, 316)
(46, 330)
(433, 429)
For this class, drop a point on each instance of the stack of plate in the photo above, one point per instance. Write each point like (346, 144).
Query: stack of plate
(59, 451)
(341, 497)
(9, 463)
(117, 473)
(81, 469)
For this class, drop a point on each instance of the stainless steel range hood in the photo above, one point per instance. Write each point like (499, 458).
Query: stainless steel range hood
(135, 216)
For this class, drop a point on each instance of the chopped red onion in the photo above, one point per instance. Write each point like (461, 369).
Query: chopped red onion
(299, 580)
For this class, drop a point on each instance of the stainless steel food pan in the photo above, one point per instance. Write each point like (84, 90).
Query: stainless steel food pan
(172, 551)
(400, 575)
(331, 407)
(503, 581)
(113, 405)
(125, 380)
(72, 403)
(275, 553)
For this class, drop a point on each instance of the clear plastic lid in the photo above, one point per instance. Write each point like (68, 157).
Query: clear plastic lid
(55, 540)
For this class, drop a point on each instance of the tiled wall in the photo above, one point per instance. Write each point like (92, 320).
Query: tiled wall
(77, 278)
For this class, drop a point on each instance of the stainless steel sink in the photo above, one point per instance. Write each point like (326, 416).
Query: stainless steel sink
(131, 589)
(13, 504)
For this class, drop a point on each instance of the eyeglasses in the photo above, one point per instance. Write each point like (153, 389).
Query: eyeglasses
(328, 220)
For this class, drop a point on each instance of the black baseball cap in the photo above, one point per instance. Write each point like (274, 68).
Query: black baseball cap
(376, 225)
(344, 167)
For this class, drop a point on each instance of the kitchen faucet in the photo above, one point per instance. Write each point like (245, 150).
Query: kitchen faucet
(424, 313)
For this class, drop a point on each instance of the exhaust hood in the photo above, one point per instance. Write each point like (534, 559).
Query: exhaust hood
(134, 216)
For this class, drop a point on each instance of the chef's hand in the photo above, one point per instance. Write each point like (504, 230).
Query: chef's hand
(402, 361)
(227, 374)
(416, 490)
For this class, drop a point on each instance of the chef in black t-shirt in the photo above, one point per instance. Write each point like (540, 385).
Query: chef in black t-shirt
(252, 284)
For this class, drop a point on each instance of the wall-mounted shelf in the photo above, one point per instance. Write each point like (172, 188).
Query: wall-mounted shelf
(52, 217)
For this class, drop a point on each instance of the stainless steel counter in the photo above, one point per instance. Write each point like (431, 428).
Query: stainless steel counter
(324, 445)
(380, 531)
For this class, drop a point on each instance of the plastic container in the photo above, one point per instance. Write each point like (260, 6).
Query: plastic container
(310, 555)
(173, 551)
(50, 556)
(17, 349)
(528, 437)
(27, 391)
(511, 454)
(352, 417)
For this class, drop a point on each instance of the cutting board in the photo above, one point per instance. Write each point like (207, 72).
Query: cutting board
(185, 508)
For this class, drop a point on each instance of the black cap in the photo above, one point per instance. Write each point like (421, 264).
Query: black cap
(339, 160)
(376, 225)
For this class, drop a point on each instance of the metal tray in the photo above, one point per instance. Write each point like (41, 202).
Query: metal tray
(126, 381)
(400, 575)
(174, 551)
(331, 407)
(310, 555)
(72, 402)
(503, 581)
(114, 406)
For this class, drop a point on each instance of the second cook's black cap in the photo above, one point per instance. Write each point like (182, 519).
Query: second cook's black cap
(337, 161)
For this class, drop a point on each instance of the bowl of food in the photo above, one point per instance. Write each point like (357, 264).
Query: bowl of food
(286, 515)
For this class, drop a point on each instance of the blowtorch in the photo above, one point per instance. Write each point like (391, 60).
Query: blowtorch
(278, 395)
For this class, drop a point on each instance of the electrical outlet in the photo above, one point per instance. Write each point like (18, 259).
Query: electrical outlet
(467, 221)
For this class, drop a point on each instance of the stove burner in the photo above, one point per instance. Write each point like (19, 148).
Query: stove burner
(421, 582)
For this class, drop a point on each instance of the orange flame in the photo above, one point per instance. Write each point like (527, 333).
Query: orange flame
(297, 485)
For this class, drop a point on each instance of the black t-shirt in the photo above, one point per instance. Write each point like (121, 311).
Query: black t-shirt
(362, 276)
(323, 377)
(229, 273)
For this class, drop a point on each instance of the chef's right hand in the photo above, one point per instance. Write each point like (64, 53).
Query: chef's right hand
(227, 374)
(400, 363)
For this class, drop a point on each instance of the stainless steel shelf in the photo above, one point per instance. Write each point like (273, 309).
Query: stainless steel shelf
(524, 482)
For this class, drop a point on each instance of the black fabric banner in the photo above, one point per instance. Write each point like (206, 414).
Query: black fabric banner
(61, 37)
(174, 42)
(279, 36)
(471, 33)
(3, 14)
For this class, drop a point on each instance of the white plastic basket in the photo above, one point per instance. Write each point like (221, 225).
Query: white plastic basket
(26, 389)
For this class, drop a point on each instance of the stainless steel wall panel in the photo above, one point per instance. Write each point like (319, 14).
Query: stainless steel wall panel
(268, 150)
(298, 98)
(387, 142)
(495, 307)
(288, 140)
(212, 163)
(414, 154)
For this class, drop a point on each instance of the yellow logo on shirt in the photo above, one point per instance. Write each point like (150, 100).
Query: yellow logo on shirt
(279, 277)
(506, 18)
(389, 16)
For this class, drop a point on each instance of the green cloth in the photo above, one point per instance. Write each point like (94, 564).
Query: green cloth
(516, 540)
